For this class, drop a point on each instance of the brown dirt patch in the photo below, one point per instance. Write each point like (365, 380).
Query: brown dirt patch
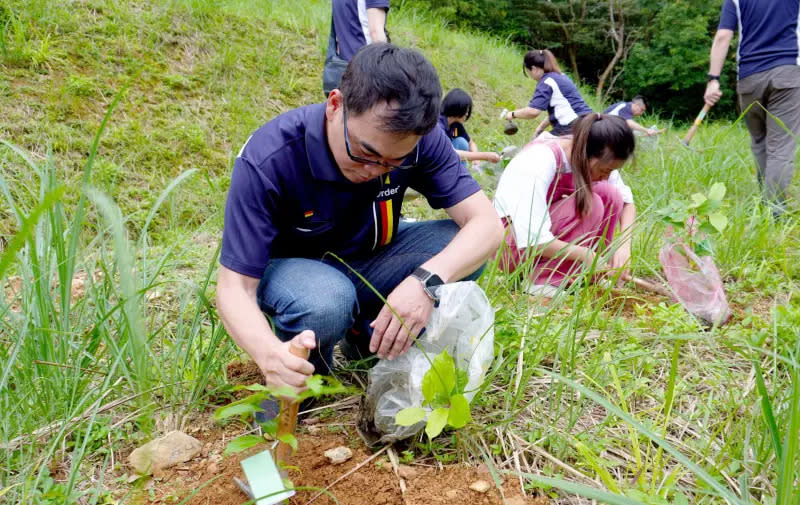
(375, 483)
(243, 373)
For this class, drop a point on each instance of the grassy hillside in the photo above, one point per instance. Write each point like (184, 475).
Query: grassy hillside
(108, 327)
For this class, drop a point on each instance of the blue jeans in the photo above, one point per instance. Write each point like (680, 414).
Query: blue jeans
(460, 144)
(325, 296)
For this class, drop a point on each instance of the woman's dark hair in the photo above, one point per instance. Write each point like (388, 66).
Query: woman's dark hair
(403, 78)
(457, 103)
(596, 136)
(541, 58)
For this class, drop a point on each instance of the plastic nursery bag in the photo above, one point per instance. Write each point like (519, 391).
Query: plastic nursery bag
(695, 282)
(463, 324)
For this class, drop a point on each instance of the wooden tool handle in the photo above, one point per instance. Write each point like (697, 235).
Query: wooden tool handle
(696, 124)
(647, 285)
(287, 419)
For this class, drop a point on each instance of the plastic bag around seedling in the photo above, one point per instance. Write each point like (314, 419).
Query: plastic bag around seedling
(695, 283)
(462, 324)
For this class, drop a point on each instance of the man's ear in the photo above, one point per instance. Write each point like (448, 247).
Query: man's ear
(334, 103)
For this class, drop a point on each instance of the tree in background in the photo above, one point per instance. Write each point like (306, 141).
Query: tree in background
(658, 48)
(669, 65)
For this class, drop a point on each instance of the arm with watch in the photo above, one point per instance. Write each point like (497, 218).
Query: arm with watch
(523, 113)
(413, 299)
(719, 50)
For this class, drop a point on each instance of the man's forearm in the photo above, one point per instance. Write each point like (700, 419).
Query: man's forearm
(636, 126)
(244, 321)
(376, 19)
(719, 50)
(526, 113)
(476, 241)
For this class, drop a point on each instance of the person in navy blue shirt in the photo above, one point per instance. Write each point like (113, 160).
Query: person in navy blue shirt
(325, 182)
(769, 73)
(456, 110)
(354, 24)
(555, 93)
(628, 110)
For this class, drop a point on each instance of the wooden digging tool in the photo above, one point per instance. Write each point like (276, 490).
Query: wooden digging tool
(695, 125)
(647, 285)
(287, 419)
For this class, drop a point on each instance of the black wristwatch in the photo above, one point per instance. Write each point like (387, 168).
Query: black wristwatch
(711, 77)
(430, 282)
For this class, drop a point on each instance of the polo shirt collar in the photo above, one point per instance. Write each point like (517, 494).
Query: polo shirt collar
(320, 159)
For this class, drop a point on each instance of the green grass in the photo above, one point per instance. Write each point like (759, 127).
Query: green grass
(639, 402)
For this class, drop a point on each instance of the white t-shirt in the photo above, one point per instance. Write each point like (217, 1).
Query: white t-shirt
(522, 193)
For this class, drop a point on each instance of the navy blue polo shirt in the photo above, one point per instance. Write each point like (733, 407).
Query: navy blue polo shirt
(768, 33)
(621, 109)
(288, 197)
(351, 25)
(456, 129)
(559, 96)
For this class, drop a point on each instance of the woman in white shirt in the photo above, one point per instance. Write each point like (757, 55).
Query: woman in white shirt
(562, 199)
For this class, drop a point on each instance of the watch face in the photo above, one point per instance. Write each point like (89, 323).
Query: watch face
(433, 281)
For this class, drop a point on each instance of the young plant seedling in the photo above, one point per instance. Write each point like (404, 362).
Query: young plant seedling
(696, 221)
(443, 392)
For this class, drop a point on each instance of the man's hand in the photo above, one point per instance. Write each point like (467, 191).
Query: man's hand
(713, 93)
(282, 368)
(492, 157)
(509, 116)
(391, 338)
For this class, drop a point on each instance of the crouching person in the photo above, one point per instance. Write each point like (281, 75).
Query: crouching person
(330, 178)
(563, 199)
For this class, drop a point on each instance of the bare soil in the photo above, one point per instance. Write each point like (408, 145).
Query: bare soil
(206, 482)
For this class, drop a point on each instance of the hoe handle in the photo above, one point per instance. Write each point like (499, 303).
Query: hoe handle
(696, 124)
(287, 419)
(648, 286)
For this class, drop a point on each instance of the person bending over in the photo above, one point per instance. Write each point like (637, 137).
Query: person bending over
(562, 200)
(330, 178)
(456, 110)
(555, 93)
(629, 110)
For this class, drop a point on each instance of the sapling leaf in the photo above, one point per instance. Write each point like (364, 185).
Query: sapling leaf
(697, 200)
(461, 380)
(717, 191)
(315, 384)
(289, 439)
(239, 444)
(439, 381)
(235, 410)
(459, 414)
(409, 416)
(703, 248)
(436, 422)
(718, 221)
(251, 387)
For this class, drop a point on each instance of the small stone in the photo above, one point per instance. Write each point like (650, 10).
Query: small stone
(406, 472)
(173, 448)
(480, 486)
(338, 455)
(212, 468)
(451, 494)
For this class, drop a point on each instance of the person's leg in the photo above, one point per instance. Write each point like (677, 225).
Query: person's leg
(304, 294)
(460, 144)
(751, 90)
(586, 231)
(414, 244)
(784, 103)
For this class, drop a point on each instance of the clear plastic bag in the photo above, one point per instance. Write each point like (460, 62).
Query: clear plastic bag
(695, 282)
(463, 324)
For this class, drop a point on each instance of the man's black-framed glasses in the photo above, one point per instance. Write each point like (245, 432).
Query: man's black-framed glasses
(374, 162)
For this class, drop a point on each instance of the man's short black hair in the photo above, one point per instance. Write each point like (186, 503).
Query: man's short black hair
(457, 103)
(401, 77)
(640, 98)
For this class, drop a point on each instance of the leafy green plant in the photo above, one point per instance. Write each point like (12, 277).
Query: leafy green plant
(443, 392)
(697, 220)
(316, 386)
